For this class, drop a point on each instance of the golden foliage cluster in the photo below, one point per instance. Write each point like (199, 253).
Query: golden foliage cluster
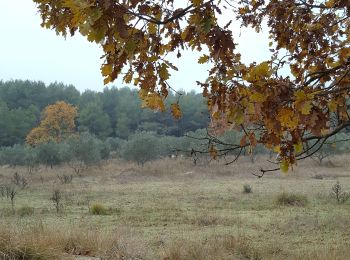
(57, 123)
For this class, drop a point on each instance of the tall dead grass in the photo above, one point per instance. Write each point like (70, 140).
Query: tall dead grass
(213, 248)
(241, 247)
(42, 242)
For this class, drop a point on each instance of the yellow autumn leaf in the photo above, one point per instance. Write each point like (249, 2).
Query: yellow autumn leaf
(136, 81)
(236, 116)
(298, 147)
(344, 53)
(152, 28)
(128, 77)
(163, 72)
(143, 93)
(284, 166)
(277, 149)
(287, 118)
(213, 152)
(176, 111)
(130, 47)
(332, 105)
(330, 3)
(96, 34)
(203, 59)
(184, 34)
(257, 97)
(258, 72)
(243, 11)
(106, 69)
(197, 3)
(306, 108)
(324, 131)
(107, 80)
(303, 101)
(250, 108)
(300, 95)
(263, 69)
(109, 48)
(153, 101)
(295, 70)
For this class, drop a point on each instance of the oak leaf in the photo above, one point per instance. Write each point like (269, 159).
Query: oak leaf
(176, 110)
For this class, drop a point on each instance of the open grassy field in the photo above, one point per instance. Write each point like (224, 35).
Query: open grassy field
(172, 209)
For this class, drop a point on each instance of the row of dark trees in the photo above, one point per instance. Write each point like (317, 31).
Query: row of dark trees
(84, 150)
(114, 112)
(81, 151)
(111, 122)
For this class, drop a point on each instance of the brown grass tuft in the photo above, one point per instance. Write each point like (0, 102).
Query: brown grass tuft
(40, 242)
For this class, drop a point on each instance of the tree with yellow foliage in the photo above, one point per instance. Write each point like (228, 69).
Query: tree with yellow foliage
(57, 123)
(293, 114)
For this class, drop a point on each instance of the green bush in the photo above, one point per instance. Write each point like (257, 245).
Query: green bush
(86, 149)
(291, 199)
(51, 153)
(99, 209)
(12, 156)
(141, 148)
(247, 188)
(25, 211)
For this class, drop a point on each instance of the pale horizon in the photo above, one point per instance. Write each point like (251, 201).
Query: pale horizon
(30, 52)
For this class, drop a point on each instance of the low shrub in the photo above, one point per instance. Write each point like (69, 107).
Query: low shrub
(338, 193)
(25, 211)
(247, 188)
(56, 199)
(99, 209)
(65, 179)
(318, 177)
(291, 199)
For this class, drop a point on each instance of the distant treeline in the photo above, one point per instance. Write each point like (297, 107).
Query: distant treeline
(114, 112)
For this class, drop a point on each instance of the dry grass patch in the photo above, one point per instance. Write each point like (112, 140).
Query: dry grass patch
(40, 242)
(291, 199)
(212, 248)
(178, 210)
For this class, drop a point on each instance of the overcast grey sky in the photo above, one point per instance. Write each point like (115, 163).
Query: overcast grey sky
(31, 52)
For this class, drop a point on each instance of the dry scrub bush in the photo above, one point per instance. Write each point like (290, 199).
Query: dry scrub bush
(99, 209)
(291, 199)
(56, 199)
(318, 177)
(247, 188)
(338, 193)
(19, 180)
(25, 211)
(65, 179)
